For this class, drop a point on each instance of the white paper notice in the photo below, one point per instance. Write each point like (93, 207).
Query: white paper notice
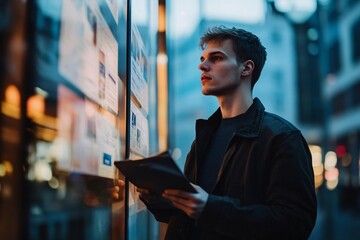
(88, 140)
(108, 50)
(77, 138)
(139, 131)
(139, 84)
(71, 40)
(108, 142)
(89, 52)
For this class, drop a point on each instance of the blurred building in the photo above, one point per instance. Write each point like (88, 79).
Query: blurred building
(340, 72)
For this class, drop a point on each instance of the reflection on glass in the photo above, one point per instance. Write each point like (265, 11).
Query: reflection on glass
(11, 104)
(76, 126)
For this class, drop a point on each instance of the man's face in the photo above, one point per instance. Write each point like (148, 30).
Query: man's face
(220, 70)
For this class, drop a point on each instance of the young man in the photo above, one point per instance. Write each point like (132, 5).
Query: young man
(252, 169)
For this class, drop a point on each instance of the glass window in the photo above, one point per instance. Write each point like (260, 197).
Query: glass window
(338, 104)
(355, 39)
(76, 128)
(356, 95)
(334, 57)
(143, 106)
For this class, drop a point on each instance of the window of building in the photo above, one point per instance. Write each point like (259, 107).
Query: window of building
(356, 95)
(334, 11)
(338, 104)
(334, 57)
(355, 39)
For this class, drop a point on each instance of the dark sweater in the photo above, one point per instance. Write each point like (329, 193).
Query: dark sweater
(210, 166)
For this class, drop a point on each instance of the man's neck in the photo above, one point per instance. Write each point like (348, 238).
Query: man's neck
(234, 106)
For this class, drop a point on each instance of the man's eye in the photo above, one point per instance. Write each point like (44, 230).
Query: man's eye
(216, 58)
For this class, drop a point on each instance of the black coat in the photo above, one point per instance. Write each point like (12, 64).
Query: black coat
(265, 186)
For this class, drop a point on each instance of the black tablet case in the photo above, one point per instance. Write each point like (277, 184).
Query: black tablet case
(155, 173)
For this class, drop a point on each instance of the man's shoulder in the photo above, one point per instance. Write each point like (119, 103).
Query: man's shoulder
(277, 124)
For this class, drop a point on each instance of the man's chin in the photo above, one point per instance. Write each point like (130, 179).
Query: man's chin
(206, 91)
(209, 93)
(218, 92)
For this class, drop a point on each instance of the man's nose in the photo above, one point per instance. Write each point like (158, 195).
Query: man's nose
(203, 66)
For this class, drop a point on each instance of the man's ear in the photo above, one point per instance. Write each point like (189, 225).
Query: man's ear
(248, 67)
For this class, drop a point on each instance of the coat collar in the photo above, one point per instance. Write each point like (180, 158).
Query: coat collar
(249, 126)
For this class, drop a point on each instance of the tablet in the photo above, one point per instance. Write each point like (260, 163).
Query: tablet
(155, 173)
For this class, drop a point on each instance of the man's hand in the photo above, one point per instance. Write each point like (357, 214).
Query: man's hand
(192, 204)
(105, 194)
(144, 194)
(116, 193)
(142, 191)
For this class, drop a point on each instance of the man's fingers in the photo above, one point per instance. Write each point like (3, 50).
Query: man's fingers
(190, 203)
(188, 207)
(115, 195)
(181, 203)
(183, 200)
(142, 191)
(177, 193)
